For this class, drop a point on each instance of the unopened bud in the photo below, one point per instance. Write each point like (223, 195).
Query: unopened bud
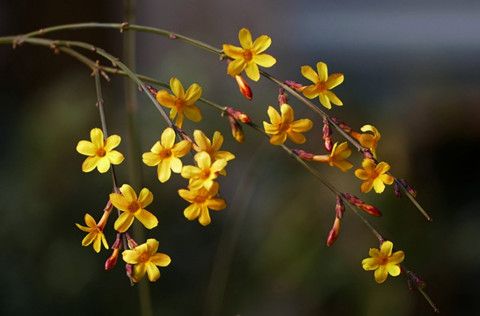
(282, 96)
(321, 158)
(244, 87)
(303, 154)
(339, 207)
(344, 126)
(396, 190)
(334, 232)
(408, 187)
(327, 135)
(237, 130)
(131, 243)
(152, 90)
(238, 115)
(112, 260)
(129, 272)
(367, 208)
(294, 85)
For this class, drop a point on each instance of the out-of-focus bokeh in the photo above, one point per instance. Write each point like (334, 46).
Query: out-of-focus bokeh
(411, 68)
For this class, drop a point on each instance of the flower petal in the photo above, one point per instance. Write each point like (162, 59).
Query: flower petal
(310, 74)
(151, 159)
(378, 185)
(190, 172)
(160, 259)
(287, 113)
(217, 141)
(90, 163)
(203, 160)
(297, 138)
(97, 244)
(115, 157)
(152, 245)
(86, 148)
(301, 125)
(324, 100)
(393, 269)
(333, 98)
(311, 92)
(380, 274)
(87, 240)
(252, 71)
(165, 99)
(193, 93)
(278, 139)
(96, 136)
(226, 155)
(128, 193)
(177, 87)
(322, 70)
(167, 140)
(261, 44)
(245, 38)
(119, 201)
(123, 222)
(90, 221)
(130, 256)
(366, 186)
(361, 174)
(236, 66)
(176, 164)
(152, 272)
(204, 218)
(146, 218)
(192, 211)
(193, 113)
(103, 164)
(274, 116)
(216, 204)
(111, 142)
(386, 248)
(234, 52)
(145, 197)
(181, 148)
(369, 264)
(334, 80)
(163, 170)
(264, 60)
(139, 271)
(397, 257)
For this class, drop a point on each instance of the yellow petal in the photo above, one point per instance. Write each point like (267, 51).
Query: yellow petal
(397, 257)
(190, 172)
(334, 80)
(310, 74)
(245, 38)
(123, 222)
(203, 160)
(204, 218)
(261, 44)
(179, 120)
(234, 52)
(202, 142)
(160, 259)
(218, 165)
(368, 164)
(366, 186)
(264, 60)
(165, 99)
(177, 87)
(119, 201)
(322, 71)
(369, 264)
(322, 97)
(128, 192)
(361, 174)
(97, 244)
(378, 185)
(343, 165)
(226, 155)
(270, 129)
(89, 220)
(146, 218)
(301, 125)
(181, 148)
(145, 197)
(311, 92)
(274, 116)
(152, 272)
(217, 141)
(151, 159)
(252, 71)
(168, 138)
(186, 195)
(193, 93)
(382, 167)
(175, 164)
(87, 240)
(103, 164)
(193, 113)
(112, 142)
(83, 228)
(104, 241)
(372, 129)
(278, 139)
(393, 269)
(130, 256)
(386, 248)
(387, 179)
(297, 138)
(96, 136)
(152, 245)
(90, 163)
(216, 204)
(191, 212)
(139, 271)
(163, 170)
(374, 252)
(381, 274)
(287, 113)
(86, 148)
(333, 98)
(236, 66)
(115, 157)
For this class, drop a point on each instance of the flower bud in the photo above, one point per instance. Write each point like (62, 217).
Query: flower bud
(112, 260)
(238, 115)
(342, 125)
(334, 232)
(152, 90)
(339, 207)
(367, 208)
(282, 96)
(244, 87)
(327, 135)
(237, 130)
(294, 85)
(303, 154)
(396, 189)
(408, 187)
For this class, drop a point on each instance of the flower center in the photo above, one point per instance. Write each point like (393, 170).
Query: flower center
(144, 257)
(383, 260)
(247, 54)
(199, 199)
(284, 126)
(205, 173)
(321, 86)
(166, 153)
(179, 103)
(134, 206)
(101, 152)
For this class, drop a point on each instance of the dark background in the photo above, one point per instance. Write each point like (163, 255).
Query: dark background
(411, 69)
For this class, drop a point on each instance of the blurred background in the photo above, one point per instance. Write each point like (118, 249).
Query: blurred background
(411, 69)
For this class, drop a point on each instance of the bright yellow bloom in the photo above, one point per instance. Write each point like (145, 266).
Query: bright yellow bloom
(375, 176)
(322, 84)
(249, 56)
(369, 138)
(95, 234)
(202, 143)
(383, 261)
(145, 259)
(181, 102)
(284, 125)
(100, 151)
(338, 157)
(201, 201)
(133, 207)
(205, 172)
(165, 153)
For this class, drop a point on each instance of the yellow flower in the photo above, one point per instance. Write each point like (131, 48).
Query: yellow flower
(201, 201)
(383, 261)
(338, 157)
(374, 175)
(205, 173)
(95, 234)
(202, 143)
(100, 151)
(283, 125)
(368, 140)
(322, 84)
(145, 259)
(165, 153)
(133, 207)
(181, 102)
(249, 56)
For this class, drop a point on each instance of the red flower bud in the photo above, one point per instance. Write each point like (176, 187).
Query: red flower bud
(339, 207)
(112, 260)
(282, 96)
(327, 135)
(342, 125)
(244, 87)
(334, 232)
(294, 85)
(303, 154)
(370, 209)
